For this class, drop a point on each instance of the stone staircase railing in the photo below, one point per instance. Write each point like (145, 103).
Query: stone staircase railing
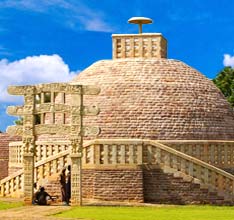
(43, 150)
(182, 164)
(13, 184)
(130, 153)
(218, 153)
(151, 153)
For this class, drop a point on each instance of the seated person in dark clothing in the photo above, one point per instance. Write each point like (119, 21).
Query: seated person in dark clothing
(42, 197)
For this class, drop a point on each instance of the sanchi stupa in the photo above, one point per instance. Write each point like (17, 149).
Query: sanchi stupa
(166, 132)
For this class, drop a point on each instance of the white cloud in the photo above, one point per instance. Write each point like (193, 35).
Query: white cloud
(72, 14)
(96, 24)
(228, 60)
(32, 70)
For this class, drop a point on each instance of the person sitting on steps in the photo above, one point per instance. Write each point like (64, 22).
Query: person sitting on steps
(42, 197)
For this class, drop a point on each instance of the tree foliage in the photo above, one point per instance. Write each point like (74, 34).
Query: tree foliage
(225, 82)
(19, 121)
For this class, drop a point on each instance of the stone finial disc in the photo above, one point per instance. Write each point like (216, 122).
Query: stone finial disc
(140, 20)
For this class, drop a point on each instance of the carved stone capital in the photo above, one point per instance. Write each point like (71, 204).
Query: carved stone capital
(76, 145)
(28, 144)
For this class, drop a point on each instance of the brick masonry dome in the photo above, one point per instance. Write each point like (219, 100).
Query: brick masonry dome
(156, 98)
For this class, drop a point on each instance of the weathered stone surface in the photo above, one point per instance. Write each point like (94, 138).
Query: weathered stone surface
(5, 139)
(118, 185)
(15, 130)
(160, 187)
(109, 185)
(139, 45)
(152, 185)
(156, 99)
(50, 87)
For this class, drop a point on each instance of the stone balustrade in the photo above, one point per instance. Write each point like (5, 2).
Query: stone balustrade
(186, 166)
(139, 45)
(113, 152)
(125, 153)
(44, 149)
(216, 153)
(13, 184)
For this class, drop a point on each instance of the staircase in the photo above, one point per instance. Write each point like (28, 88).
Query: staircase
(168, 175)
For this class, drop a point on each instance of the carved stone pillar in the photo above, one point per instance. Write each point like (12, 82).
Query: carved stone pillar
(28, 165)
(76, 189)
(28, 145)
(76, 148)
(28, 177)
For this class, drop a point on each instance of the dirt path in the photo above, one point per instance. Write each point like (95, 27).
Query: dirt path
(32, 212)
(44, 212)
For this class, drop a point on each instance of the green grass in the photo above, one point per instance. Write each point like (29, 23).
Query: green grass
(150, 213)
(8, 205)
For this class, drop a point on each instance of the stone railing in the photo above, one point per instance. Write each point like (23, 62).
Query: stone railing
(13, 184)
(184, 165)
(44, 149)
(137, 152)
(216, 153)
(139, 45)
(130, 153)
(113, 152)
(50, 166)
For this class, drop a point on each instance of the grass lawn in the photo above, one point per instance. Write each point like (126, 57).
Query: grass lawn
(8, 205)
(151, 213)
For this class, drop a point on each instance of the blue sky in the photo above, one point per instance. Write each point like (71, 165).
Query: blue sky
(53, 40)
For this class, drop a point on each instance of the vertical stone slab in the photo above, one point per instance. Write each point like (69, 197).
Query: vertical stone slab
(28, 138)
(76, 147)
(76, 174)
(28, 177)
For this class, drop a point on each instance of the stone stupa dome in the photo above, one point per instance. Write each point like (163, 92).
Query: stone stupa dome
(145, 95)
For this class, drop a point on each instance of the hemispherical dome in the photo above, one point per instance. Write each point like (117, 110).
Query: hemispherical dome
(156, 99)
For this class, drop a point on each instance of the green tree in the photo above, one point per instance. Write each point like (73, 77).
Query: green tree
(19, 121)
(225, 82)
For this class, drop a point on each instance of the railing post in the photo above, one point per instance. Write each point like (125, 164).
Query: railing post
(122, 154)
(92, 154)
(131, 154)
(158, 156)
(149, 154)
(190, 168)
(97, 154)
(139, 154)
(206, 176)
(114, 154)
(106, 154)
(2, 189)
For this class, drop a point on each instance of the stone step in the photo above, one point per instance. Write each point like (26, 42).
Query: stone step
(163, 187)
